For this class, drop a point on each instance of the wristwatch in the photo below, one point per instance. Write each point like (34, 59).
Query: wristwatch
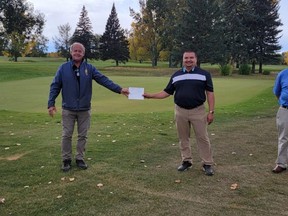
(211, 111)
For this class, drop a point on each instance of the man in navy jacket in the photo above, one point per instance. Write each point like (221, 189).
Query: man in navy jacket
(74, 80)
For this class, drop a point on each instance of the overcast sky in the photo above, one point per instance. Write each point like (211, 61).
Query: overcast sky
(68, 11)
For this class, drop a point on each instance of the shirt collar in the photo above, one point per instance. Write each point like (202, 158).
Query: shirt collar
(184, 70)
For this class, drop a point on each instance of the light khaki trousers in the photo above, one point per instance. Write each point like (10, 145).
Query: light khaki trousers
(69, 118)
(197, 118)
(282, 126)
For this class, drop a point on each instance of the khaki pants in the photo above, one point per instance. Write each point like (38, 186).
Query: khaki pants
(197, 118)
(69, 118)
(282, 126)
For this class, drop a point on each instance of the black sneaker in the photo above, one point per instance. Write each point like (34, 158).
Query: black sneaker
(184, 166)
(66, 165)
(81, 164)
(208, 170)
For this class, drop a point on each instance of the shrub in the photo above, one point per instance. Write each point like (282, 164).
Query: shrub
(244, 69)
(225, 70)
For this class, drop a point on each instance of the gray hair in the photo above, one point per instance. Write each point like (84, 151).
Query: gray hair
(77, 43)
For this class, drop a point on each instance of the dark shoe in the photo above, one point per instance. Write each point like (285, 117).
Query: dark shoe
(278, 169)
(208, 170)
(81, 164)
(184, 166)
(66, 165)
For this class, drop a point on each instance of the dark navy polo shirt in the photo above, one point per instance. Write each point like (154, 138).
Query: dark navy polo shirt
(190, 87)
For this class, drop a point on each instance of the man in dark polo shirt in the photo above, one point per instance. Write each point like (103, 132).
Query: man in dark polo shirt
(191, 87)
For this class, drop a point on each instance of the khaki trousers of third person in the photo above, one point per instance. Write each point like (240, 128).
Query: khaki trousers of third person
(197, 118)
(282, 126)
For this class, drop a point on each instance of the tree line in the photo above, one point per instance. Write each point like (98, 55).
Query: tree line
(220, 31)
(224, 32)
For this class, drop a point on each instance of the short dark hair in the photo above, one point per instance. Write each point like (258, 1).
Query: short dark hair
(190, 51)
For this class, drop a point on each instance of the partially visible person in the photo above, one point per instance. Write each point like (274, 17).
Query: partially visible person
(281, 92)
(191, 87)
(74, 80)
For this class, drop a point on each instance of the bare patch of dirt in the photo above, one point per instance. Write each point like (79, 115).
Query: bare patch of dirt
(13, 157)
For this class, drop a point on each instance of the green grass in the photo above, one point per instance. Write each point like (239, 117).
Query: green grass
(132, 150)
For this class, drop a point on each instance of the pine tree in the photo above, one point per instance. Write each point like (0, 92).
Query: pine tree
(264, 29)
(113, 43)
(199, 29)
(84, 34)
(237, 37)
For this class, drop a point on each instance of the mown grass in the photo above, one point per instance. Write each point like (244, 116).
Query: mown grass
(135, 156)
(30, 95)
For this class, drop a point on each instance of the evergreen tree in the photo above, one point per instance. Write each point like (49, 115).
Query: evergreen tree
(113, 43)
(264, 29)
(199, 29)
(84, 34)
(237, 37)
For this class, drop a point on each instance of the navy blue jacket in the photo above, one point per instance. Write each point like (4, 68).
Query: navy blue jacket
(76, 95)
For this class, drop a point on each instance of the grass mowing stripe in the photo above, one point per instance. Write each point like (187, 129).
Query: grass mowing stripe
(32, 95)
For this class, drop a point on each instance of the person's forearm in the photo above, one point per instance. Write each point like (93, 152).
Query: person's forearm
(159, 95)
(211, 101)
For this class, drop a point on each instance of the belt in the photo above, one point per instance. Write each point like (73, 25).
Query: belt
(285, 107)
(190, 108)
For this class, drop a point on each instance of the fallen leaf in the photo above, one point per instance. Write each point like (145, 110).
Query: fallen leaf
(7, 148)
(99, 185)
(2, 200)
(59, 196)
(113, 141)
(178, 181)
(233, 153)
(142, 161)
(234, 186)
(26, 186)
(63, 179)
(71, 179)
(158, 166)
